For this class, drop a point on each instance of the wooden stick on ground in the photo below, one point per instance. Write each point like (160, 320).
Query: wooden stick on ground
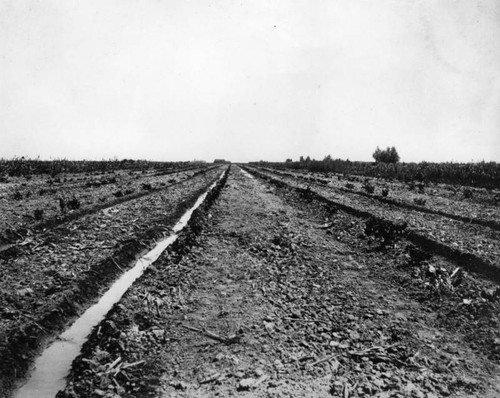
(209, 334)
(326, 359)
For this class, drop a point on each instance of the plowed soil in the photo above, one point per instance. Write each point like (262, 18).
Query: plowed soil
(52, 275)
(270, 293)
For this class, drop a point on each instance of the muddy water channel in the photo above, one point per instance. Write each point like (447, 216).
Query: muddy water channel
(53, 365)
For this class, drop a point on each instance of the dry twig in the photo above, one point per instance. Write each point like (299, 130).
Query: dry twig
(229, 340)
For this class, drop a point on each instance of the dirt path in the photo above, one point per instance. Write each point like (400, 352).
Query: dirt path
(258, 300)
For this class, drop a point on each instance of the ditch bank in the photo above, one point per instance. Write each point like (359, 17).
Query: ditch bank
(23, 342)
(109, 327)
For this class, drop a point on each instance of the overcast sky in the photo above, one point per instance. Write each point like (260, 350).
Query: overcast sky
(249, 80)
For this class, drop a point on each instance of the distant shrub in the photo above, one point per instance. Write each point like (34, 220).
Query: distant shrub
(389, 155)
(73, 203)
(468, 193)
(496, 200)
(38, 214)
(369, 188)
(386, 230)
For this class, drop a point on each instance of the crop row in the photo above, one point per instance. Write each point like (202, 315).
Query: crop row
(472, 246)
(21, 166)
(41, 205)
(482, 174)
(437, 199)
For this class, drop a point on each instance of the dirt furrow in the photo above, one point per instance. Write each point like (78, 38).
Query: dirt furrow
(58, 272)
(259, 299)
(474, 246)
(19, 223)
(478, 206)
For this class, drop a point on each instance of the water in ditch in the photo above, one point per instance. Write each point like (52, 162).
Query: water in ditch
(53, 365)
(246, 173)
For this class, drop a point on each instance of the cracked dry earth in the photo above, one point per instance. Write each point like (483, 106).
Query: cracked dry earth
(264, 303)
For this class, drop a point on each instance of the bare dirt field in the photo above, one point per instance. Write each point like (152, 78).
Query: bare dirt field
(279, 290)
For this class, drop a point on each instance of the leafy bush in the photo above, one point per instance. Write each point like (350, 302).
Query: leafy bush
(467, 193)
(38, 214)
(387, 231)
(369, 188)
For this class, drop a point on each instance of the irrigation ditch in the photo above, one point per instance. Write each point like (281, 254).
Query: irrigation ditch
(25, 342)
(275, 293)
(276, 290)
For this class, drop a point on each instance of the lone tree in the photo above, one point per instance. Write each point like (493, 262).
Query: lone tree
(389, 155)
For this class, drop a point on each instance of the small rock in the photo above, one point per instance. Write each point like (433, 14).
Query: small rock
(246, 384)
(443, 389)
(219, 357)
(24, 292)
(378, 382)
(269, 326)
(179, 385)
(490, 294)
(259, 372)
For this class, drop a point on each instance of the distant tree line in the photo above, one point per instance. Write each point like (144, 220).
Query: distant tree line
(21, 166)
(482, 174)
